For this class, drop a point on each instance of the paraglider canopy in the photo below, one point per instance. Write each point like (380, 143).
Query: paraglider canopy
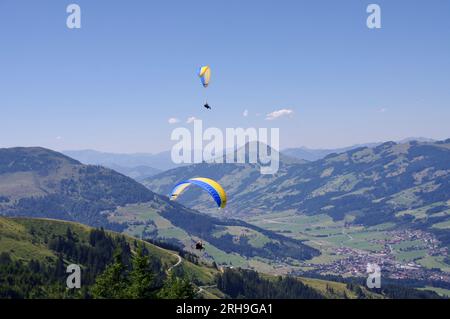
(205, 75)
(212, 187)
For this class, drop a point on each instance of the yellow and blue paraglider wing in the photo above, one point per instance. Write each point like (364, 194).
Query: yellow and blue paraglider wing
(212, 187)
(205, 75)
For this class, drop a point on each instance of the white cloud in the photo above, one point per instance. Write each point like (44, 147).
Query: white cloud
(173, 120)
(59, 138)
(245, 114)
(191, 119)
(279, 113)
(383, 110)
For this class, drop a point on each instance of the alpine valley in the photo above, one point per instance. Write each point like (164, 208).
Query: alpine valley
(306, 232)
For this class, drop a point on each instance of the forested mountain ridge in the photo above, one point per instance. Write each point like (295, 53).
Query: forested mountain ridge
(399, 183)
(42, 183)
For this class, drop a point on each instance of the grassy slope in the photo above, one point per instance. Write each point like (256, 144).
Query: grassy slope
(338, 290)
(24, 239)
(331, 289)
(16, 240)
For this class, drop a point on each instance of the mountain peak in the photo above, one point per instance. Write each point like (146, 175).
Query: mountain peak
(25, 159)
(257, 147)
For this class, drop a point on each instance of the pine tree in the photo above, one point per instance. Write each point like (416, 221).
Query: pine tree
(177, 288)
(141, 277)
(112, 283)
(60, 269)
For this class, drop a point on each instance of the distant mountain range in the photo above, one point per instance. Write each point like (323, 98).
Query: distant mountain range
(157, 162)
(311, 154)
(142, 165)
(137, 173)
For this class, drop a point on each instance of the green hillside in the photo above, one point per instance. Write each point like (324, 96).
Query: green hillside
(399, 183)
(27, 240)
(391, 200)
(403, 184)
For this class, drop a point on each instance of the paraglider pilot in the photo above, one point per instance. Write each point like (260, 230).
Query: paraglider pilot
(199, 245)
(205, 75)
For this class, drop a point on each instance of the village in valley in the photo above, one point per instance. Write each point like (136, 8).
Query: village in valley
(353, 261)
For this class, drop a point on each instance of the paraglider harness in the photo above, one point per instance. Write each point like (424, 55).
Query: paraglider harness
(199, 246)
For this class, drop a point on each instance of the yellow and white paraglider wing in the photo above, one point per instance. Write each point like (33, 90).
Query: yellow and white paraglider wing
(205, 75)
(212, 187)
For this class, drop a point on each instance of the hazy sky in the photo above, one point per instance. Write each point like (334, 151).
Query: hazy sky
(114, 84)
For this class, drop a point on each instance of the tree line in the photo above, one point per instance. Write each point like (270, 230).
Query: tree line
(110, 268)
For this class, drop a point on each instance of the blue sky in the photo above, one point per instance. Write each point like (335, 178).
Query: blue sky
(113, 84)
